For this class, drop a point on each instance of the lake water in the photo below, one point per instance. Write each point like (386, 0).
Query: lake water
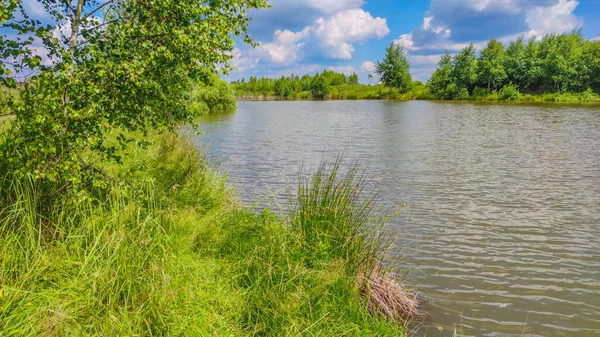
(502, 224)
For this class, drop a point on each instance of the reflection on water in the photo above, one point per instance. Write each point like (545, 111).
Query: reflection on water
(504, 199)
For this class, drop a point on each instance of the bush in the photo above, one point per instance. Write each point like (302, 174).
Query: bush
(589, 96)
(462, 94)
(479, 93)
(213, 95)
(509, 93)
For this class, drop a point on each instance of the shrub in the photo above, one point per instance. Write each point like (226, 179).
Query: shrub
(589, 96)
(479, 93)
(462, 94)
(212, 95)
(509, 92)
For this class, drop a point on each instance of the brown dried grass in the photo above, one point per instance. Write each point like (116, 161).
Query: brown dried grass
(388, 298)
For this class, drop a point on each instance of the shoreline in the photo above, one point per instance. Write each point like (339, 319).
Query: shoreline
(270, 98)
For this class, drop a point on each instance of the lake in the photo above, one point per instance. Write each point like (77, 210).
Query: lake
(502, 223)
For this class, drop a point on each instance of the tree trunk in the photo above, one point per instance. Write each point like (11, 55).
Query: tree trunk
(75, 26)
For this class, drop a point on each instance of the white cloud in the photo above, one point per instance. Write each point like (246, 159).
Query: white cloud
(337, 33)
(596, 39)
(347, 69)
(295, 14)
(288, 37)
(333, 37)
(454, 25)
(554, 19)
(367, 66)
(286, 46)
(424, 59)
(243, 63)
(282, 53)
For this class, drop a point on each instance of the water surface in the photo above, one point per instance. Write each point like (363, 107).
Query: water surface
(503, 215)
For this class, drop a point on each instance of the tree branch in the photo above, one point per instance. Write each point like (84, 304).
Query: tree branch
(97, 9)
(102, 25)
(68, 4)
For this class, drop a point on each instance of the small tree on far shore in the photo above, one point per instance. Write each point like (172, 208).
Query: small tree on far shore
(394, 70)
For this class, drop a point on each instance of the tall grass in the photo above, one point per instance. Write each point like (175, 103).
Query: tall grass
(335, 217)
(166, 249)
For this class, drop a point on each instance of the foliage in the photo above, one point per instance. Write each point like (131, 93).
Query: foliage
(441, 81)
(553, 64)
(319, 87)
(353, 79)
(171, 252)
(335, 217)
(212, 94)
(394, 70)
(6, 96)
(509, 92)
(125, 64)
(464, 71)
(490, 71)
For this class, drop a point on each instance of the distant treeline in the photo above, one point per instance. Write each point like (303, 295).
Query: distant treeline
(294, 86)
(557, 67)
(565, 63)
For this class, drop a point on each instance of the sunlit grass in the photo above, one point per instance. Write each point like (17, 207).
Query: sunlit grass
(166, 249)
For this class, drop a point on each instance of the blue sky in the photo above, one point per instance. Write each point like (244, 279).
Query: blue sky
(306, 36)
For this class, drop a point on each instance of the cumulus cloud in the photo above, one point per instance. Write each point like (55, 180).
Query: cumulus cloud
(286, 46)
(333, 37)
(337, 34)
(553, 19)
(367, 66)
(295, 14)
(453, 25)
(243, 62)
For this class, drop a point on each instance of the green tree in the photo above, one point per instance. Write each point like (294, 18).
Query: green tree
(213, 95)
(282, 88)
(490, 67)
(353, 79)
(442, 78)
(515, 64)
(319, 87)
(591, 62)
(394, 70)
(464, 69)
(333, 78)
(124, 65)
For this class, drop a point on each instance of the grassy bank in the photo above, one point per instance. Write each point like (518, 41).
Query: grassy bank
(360, 93)
(343, 92)
(166, 249)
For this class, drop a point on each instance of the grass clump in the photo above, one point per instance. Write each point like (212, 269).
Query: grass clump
(166, 249)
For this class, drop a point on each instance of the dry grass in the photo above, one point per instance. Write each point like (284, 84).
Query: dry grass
(388, 298)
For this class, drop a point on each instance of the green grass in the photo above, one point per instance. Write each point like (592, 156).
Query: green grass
(347, 92)
(166, 249)
(421, 92)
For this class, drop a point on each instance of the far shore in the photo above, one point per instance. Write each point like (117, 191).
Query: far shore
(537, 99)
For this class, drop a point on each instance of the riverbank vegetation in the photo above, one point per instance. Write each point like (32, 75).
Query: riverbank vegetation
(323, 85)
(561, 68)
(211, 94)
(112, 223)
(554, 68)
(166, 249)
